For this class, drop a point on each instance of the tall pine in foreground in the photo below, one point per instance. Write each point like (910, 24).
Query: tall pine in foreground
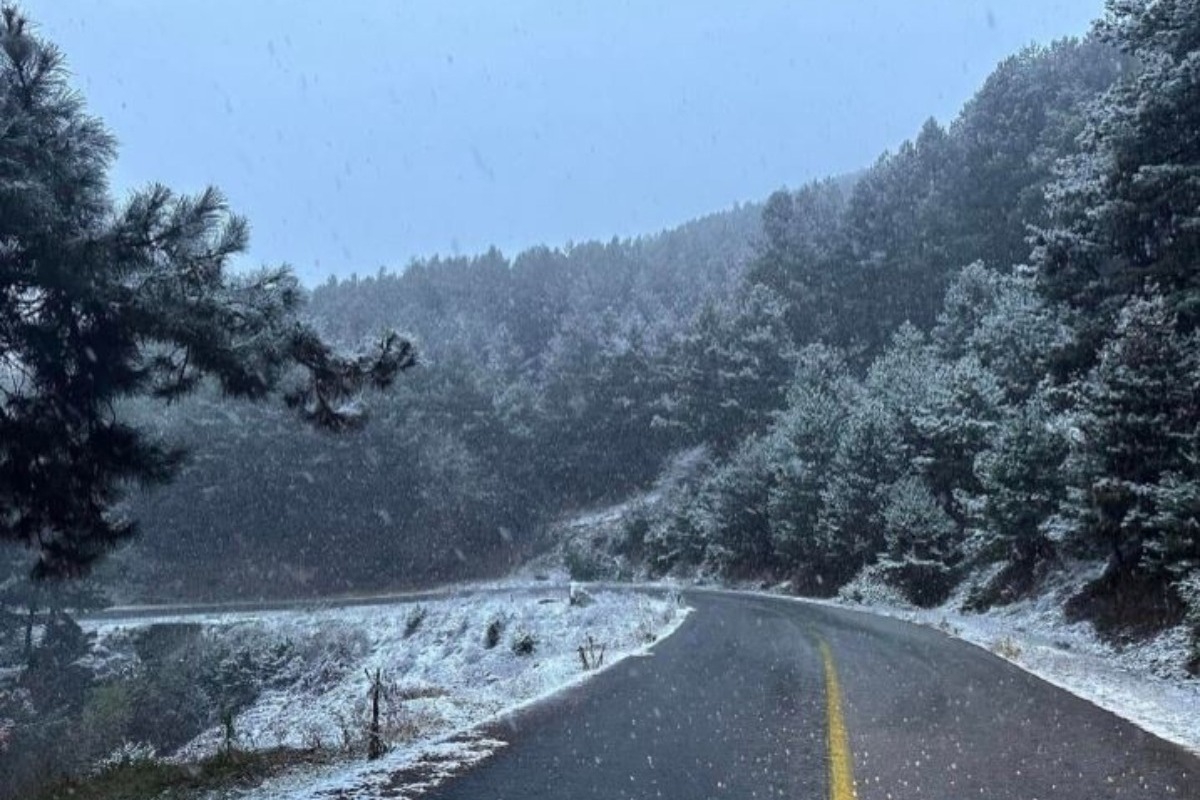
(100, 303)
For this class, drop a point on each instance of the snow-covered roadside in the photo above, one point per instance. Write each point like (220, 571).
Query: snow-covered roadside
(1144, 683)
(444, 676)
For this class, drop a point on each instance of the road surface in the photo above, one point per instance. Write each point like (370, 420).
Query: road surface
(757, 697)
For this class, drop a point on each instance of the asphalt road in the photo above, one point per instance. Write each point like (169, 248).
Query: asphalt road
(760, 698)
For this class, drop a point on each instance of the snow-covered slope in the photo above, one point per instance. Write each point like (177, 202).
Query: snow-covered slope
(1144, 682)
(443, 675)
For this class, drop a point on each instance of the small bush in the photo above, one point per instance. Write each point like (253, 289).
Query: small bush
(491, 636)
(413, 623)
(578, 596)
(1005, 647)
(646, 630)
(870, 586)
(129, 754)
(583, 565)
(923, 582)
(105, 719)
(403, 693)
(1009, 583)
(524, 643)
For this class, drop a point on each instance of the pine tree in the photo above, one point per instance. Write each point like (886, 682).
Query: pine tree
(870, 456)
(1125, 212)
(100, 303)
(729, 371)
(1022, 481)
(804, 441)
(801, 242)
(1003, 322)
(921, 546)
(1025, 116)
(735, 498)
(1140, 421)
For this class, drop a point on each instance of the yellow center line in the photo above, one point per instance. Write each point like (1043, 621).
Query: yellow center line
(841, 764)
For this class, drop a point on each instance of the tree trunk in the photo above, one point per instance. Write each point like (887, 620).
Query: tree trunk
(29, 635)
(374, 741)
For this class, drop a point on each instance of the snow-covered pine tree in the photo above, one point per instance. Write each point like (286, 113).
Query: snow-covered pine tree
(870, 455)
(1140, 422)
(730, 371)
(921, 543)
(1022, 482)
(804, 441)
(1125, 211)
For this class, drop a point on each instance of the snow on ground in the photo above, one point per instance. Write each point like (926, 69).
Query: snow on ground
(443, 676)
(1144, 683)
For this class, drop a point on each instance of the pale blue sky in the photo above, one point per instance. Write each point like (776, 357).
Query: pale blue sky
(363, 133)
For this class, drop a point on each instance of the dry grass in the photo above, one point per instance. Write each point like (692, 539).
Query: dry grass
(403, 693)
(1005, 647)
(138, 780)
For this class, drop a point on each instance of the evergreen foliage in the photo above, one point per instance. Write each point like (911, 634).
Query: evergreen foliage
(100, 302)
(980, 351)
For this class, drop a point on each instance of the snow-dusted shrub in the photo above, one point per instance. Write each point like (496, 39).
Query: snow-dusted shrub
(1007, 647)
(1189, 591)
(652, 616)
(127, 754)
(323, 658)
(524, 643)
(579, 596)
(181, 684)
(105, 718)
(922, 582)
(871, 587)
(645, 630)
(413, 623)
(491, 636)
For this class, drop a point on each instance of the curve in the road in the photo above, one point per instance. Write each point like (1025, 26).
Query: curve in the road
(757, 697)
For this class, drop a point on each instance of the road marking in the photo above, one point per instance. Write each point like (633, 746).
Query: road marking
(841, 768)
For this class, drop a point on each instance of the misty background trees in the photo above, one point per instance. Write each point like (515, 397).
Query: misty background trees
(977, 356)
(966, 367)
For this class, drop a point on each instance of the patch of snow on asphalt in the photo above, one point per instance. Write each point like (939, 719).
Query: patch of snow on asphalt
(442, 676)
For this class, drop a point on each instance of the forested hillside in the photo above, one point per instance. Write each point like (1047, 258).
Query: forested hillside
(964, 402)
(965, 378)
(566, 377)
(547, 382)
(976, 356)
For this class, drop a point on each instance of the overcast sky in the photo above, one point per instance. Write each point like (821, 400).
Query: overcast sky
(363, 133)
